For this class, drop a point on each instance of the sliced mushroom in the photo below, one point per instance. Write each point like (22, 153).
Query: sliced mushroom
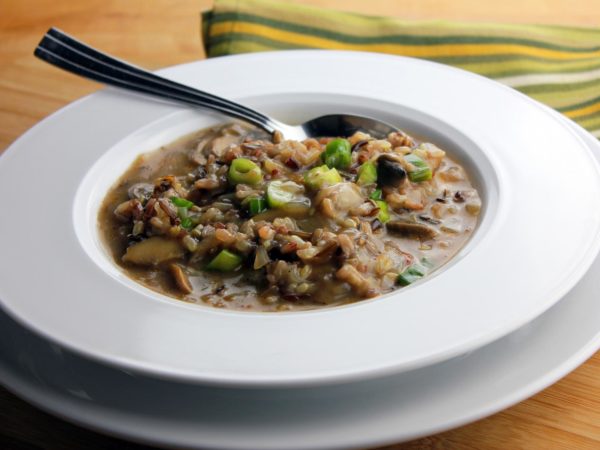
(220, 144)
(153, 251)
(198, 155)
(389, 171)
(412, 230)
(181, 279)
(140, 191)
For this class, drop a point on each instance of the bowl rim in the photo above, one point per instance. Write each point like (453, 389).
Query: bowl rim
(180, 124)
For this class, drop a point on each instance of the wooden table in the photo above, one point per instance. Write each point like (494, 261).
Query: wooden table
(154, 34)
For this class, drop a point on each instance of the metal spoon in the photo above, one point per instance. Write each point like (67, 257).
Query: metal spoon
(61, 50)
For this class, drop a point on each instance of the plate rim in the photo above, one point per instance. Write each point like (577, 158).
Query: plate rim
(283, 381)
(53, 404)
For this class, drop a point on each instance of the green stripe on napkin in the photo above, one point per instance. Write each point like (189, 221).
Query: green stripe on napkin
(559, 66)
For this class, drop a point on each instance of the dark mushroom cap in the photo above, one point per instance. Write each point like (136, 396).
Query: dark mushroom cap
(411, 230)
(389, 171)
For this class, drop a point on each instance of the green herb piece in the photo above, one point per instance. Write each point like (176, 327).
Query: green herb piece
(225, 261)
(410, 275)
(244, 171)
(384, 213)
(377, 194)
(256, 206)
(321, 176)
(184, 220)
(421, 171)
(187, 223)
(337, 154)
(181, 202)
(367, 173)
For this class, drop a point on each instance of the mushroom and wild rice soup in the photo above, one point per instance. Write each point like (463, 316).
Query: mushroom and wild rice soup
(233, 218)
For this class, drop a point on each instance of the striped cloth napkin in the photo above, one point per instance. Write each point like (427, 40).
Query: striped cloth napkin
(557, 65)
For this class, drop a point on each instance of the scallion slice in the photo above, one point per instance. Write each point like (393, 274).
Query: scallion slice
(377, 194)
(421, 172)
(384, 213)
(367, 173)
(181, 202)
(185, 221)
(244, 171)
(410, 275)
(257, 205)
(225, 261)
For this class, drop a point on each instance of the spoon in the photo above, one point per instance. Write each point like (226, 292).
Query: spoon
(66, 52)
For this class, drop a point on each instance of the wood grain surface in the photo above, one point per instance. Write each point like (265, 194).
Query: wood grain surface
(159, 33)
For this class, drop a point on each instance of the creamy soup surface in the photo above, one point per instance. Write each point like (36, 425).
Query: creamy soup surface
(233, 218)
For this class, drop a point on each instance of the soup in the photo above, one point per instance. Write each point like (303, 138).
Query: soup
(234, 218)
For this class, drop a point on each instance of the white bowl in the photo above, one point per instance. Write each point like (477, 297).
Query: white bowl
(534, 175)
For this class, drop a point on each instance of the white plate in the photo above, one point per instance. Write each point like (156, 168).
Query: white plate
(531, 170)
(361, 414)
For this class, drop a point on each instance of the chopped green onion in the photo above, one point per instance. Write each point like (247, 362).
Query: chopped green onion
(257, 205)
(187, 223)
(181, 202)
(184, 219)
(367, 173)
(410, 275)
(321, 176)
(337, 154)
(376, 195)
(384, 213)
(225, 261)
(421, 171)
(420, 175)
(280, 193)
(244, 171)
